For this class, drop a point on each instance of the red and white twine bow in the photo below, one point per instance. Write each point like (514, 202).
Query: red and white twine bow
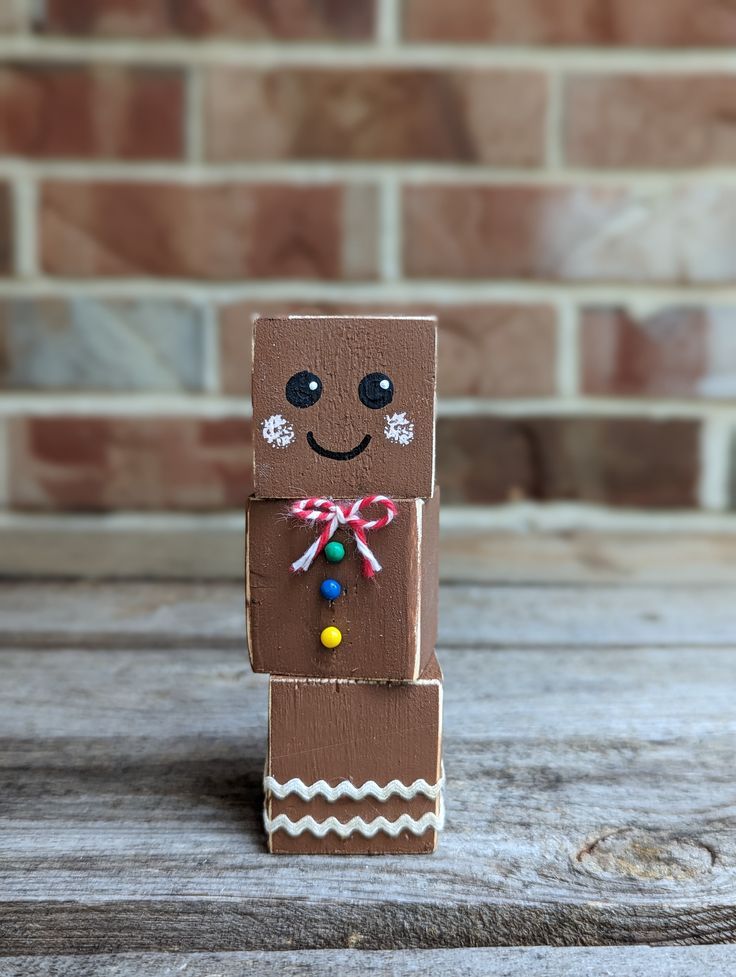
(330, 515)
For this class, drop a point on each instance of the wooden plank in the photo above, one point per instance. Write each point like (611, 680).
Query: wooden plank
(590, 801)
(585, 556)
(121, 545)
(122, 614)
(211, 547)
(155, 614)
(642, 961)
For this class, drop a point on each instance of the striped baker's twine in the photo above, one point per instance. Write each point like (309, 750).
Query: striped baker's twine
(357, 825)
(320, 788)
(328, 515)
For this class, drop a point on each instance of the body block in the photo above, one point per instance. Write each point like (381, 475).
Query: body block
(388, 623)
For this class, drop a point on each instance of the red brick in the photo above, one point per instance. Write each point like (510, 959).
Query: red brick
(686, 351)
(649, 120)
(503, 350)
(493, 117)
(88, 342)
(243, 19)
(105, 463)
(604, 460)
(220, 232)
(494, 350)
(681, 234)
(632, 23)
(6, 230)
(59, 110)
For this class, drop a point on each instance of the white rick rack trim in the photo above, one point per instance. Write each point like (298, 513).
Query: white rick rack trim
(320, 788)
(357, 825)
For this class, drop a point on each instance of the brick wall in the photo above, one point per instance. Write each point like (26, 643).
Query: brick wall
(554, 178)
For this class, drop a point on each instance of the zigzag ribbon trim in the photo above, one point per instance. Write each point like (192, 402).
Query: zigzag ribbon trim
(417, 826)
(320, 788)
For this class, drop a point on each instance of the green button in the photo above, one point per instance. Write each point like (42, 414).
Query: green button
(334, 552)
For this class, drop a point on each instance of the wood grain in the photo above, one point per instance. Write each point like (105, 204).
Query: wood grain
(590, 801)
(357, 731)
(155, 614)
(716, 961)
(211, 547)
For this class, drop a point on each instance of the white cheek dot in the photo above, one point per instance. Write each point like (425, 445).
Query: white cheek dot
(277, 431)
(399, 428)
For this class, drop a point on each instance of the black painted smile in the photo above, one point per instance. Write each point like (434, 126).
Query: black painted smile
(338, 455)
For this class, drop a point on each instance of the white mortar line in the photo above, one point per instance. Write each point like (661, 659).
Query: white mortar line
(388, 23)
(715, 462)
(147, 405)
(416, 293)
(212, 349)
(568, 352)
(329, 171)
(25, 226)
(265, 53)
(554, 123)
(390, 230)
(46, 404)
(519, 517)
(122, 522)
(581, 406)
(566, 516)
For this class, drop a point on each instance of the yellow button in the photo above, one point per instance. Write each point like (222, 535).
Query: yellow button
(331, 637)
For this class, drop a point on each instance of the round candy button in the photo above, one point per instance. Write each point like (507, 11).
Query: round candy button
(330, 589)
(334, 552)
(331, 637)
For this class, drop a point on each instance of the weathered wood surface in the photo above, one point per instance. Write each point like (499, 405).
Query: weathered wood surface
(211, 547)
(581, 556)
(713, 961)
(590, 797)
(129, 615)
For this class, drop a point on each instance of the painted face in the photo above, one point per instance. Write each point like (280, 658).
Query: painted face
(344, 406)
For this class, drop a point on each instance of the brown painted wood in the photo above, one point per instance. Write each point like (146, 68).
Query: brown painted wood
(388, 623)
(357, 731)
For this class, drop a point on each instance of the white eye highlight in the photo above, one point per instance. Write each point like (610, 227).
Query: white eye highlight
(313, 385)
(384, 384)
(399, 428)
(277, 431)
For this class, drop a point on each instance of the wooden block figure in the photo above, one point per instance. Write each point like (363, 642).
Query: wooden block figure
(341, 581)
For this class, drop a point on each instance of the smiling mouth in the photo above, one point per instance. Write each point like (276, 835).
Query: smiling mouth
(338, 455)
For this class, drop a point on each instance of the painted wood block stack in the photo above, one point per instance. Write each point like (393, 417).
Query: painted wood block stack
(342, 579)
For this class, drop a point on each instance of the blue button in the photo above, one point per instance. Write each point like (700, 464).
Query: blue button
(330, 589)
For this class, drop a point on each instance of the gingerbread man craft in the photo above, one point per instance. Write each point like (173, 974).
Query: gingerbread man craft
(341, 582)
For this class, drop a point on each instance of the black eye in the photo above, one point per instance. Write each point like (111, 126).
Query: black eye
(304, 389)
(376, 390)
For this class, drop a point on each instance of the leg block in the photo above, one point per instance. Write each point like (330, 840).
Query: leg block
(347, 734)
